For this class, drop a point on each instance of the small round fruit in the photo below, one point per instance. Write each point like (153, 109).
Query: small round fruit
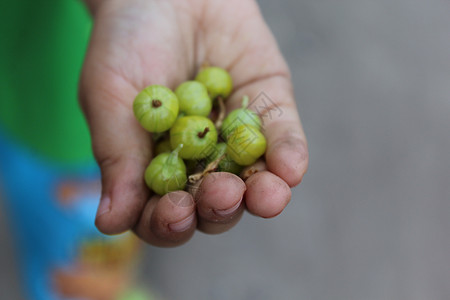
(166, 173)
(156, 108)
(240, 116)
(197, 134)
(163, 146)
(217, 81)
(246, 144)
(193, 99)
(226, 164)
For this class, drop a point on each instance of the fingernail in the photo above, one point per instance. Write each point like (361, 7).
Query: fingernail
(104, 206)
(228, 212)
(182, 225)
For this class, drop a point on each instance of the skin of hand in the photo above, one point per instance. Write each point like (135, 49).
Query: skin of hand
(136, 43)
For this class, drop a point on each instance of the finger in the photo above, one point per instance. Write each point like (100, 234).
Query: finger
(168, 221)
(219, 202)
(258, 70)
(286, 153)
(267, 194)
(122, 150)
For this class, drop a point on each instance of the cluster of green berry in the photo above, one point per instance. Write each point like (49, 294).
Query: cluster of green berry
(193, 136)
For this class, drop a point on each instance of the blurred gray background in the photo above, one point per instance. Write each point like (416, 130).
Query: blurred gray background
(371, 219)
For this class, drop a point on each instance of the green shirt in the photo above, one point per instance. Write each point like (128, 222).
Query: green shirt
(42, 45)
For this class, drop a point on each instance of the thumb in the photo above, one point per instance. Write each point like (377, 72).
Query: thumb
(120, 145)
(121, 60)
(121, 148)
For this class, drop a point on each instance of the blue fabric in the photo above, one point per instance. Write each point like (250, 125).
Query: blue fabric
(47, 232)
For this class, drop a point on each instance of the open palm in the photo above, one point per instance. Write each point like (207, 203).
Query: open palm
(136, 43)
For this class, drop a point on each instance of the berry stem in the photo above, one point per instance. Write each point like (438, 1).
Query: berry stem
(222, 111)
(177, 149)
(156, 103)
(202, 134)
(174, 155)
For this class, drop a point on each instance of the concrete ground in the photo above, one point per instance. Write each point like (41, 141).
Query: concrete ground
(371, 220)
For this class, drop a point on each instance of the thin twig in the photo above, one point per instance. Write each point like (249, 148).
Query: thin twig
(211, 167)
(258, 166)
(222, 111)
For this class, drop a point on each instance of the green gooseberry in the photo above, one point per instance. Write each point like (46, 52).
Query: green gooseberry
(197, 134)
(156, 108)
(163, 146)
(193, 99)
(166, 173)
(226, 164)
(240, 116)
(217, 81)
(246, 144)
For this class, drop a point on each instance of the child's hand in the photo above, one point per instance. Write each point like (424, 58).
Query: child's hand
(136, 43)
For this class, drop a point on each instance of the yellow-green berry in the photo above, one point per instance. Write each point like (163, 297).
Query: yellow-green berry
(246, 144)
(156, 108)
(166, 173)
(197, 134)
(193, 99)
(217, 81)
